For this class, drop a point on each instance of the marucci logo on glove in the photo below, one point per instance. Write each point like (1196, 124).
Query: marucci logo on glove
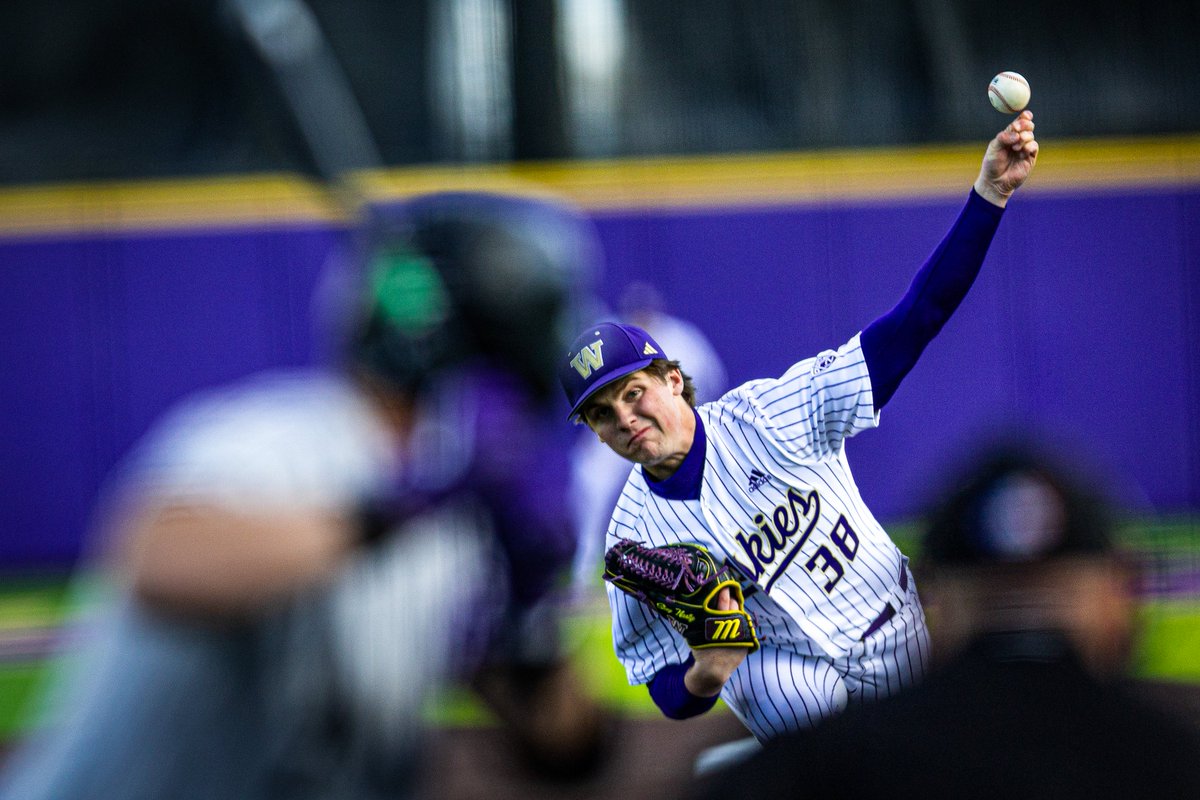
(724, 629)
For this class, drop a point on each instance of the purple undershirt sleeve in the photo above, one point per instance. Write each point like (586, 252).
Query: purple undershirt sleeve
(672, 696)
(893, 343)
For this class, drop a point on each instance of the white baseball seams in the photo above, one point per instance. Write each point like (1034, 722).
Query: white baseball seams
(824, 569)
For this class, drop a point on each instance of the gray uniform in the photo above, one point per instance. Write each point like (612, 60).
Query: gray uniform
(319, 698)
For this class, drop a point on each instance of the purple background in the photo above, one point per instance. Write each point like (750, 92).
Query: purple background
(101, 335)
(1084, 325)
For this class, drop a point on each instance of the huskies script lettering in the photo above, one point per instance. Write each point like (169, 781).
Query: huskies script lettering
(780, 534)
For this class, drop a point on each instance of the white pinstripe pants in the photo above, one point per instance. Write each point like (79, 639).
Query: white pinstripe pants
(775, 690)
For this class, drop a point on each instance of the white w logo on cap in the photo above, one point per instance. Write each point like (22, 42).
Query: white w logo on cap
(588, 359)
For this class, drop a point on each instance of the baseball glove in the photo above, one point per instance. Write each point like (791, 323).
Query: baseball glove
(680, 582)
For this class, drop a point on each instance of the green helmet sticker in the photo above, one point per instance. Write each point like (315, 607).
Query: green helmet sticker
(407, 290)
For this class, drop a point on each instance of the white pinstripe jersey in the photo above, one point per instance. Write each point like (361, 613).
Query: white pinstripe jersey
(778, 501)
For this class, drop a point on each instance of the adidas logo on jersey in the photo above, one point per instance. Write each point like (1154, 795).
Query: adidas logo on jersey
(757, 479)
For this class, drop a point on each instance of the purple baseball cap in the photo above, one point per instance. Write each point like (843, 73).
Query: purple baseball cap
(601, 355)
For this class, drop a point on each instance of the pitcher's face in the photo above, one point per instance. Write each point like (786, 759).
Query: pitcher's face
(644, 420)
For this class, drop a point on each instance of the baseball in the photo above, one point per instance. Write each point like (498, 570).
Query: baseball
(1009, 92)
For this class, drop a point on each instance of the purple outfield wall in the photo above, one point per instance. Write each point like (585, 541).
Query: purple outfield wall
(1085, 323)
(1084, 326)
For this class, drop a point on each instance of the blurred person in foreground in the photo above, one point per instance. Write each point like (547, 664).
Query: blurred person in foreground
(597, 473)
(1032, 611)
(303, 558)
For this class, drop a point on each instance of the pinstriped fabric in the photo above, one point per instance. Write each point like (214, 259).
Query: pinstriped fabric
(776, 691)
(894, 657)
(778, 502)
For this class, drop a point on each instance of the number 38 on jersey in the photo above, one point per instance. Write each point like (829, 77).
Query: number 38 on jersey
(781, 534)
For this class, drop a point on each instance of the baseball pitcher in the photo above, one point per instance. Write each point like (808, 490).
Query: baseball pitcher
(743, 562)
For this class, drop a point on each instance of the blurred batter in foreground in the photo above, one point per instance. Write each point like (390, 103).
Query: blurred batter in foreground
(305, 557)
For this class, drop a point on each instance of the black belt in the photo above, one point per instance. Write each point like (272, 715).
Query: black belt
(889, 610)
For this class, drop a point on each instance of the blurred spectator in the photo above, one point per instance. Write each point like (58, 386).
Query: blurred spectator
(598, 474)
(1032, 612)
(300, 560)
(642, 304)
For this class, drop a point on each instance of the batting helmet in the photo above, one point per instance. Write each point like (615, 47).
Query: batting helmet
(451, 276)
